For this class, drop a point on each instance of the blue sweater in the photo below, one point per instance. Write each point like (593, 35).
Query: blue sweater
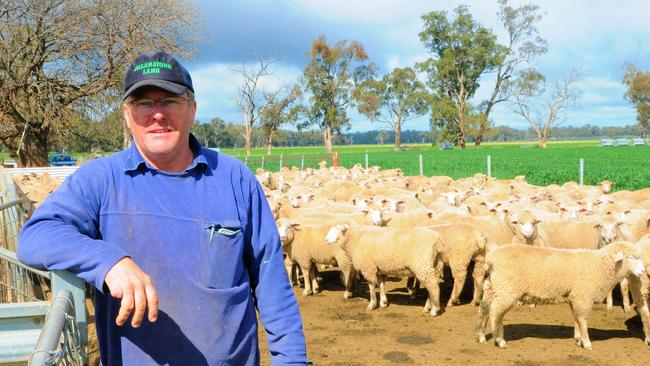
(206, 237)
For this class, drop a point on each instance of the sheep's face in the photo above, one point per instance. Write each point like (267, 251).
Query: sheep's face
(361, 203)
(526, 224)
(451, 198)
(295, 201)
(377, 217)
(527, 229)
(287, 232)
(396, 205)
(630, 264)
(336, 233)
(609, 230)
(606, 186)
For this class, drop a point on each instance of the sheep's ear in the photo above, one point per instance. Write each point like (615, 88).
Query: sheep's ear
(538, 221)
(365, 210)
(295, 225)
(514, 222)
(430, 214)
(345, 227)
(597, 225)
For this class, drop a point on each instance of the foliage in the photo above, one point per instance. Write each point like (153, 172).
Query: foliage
(329, 79)
(280, 110)
(638, 92)
(462, 51)
(57, 56)
(394, 99)
(522, 47)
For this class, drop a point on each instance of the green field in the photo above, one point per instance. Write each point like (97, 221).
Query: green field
(627, 166)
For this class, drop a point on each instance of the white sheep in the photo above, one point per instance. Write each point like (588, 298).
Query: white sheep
(640, 288)
(377, 252)
(535, 274)
(304, 244)
(461, 243)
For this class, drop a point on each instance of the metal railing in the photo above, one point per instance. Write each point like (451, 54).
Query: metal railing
(24, 295)
(60, 340)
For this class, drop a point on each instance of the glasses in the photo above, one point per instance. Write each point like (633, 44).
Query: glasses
(170, 105)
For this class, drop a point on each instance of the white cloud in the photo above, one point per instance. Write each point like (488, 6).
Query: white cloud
(598, 36)
(217, 86)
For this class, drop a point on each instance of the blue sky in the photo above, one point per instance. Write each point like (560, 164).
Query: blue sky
(597, 36)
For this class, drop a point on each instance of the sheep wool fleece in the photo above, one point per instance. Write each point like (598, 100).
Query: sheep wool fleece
(206, 237)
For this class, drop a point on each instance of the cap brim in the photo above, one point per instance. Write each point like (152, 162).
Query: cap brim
(174, 88)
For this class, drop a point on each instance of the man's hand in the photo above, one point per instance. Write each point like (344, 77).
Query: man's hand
(128, 282)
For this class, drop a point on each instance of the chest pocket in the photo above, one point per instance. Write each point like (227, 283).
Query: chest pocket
(221, 263)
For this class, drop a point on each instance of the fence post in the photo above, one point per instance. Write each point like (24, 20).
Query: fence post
(366, 161)
(421, 165)
(302, 162)
(489, 166)
(263, 162)
(281, 161)
(582, 171)
(246, 160)
(335, 159)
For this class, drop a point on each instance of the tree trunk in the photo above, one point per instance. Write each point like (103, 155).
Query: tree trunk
(126, 135)
(398, 136)
(461, 126)
(461, 140)
(269, 143)
(247, 140)
(327, 136)
(33, 151)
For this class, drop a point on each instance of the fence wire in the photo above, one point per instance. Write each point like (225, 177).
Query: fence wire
(17, 284)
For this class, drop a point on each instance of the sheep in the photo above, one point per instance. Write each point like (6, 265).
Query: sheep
(459, 244)
(414, 218)
(497, 231)
(377, 252)
(579, 277)
(607, 230)
(640, 288)
(304, 244)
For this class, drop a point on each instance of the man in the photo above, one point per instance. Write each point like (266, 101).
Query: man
(176, 238)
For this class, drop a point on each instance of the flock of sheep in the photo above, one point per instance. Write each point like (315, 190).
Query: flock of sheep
(529, 244)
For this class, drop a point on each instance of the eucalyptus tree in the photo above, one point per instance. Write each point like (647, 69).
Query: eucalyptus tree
(58, 56)
(329, 79)
(393, 100)
(522, 47)
(638, 92)
(280, 110)
(462, 51)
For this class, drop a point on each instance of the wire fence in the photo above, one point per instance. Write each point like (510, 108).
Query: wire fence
(17, 284)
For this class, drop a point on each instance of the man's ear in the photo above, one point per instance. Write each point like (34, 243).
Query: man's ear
(125, 115)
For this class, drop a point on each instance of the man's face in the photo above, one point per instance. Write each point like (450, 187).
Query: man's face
(160, 123)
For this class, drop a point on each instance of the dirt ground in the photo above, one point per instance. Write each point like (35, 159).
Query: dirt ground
(343, 333)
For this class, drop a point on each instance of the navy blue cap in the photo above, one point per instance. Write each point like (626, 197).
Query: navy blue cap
(157, 69)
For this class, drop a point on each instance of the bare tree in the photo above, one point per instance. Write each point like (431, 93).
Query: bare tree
(251, 98)
(541, 108)
(57, 56)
